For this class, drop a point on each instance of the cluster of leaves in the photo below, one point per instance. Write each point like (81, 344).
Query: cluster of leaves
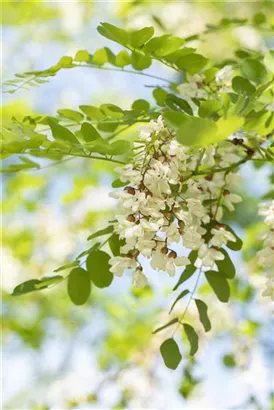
(243, 110)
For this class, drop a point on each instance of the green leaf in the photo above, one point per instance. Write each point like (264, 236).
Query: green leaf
(209, 107)
(101, 232)
(168, 46)
(242, 86)
(140, 61)
(155, 43)
(202, 310)
(107, 126)
(119, 147)
(112, 110)
(140, 105)
(71, 115)
(67, 266)
(229, 360)
(192, 338)
(117, 183)
(175, 118)
(269, 60)
(226, 266)
(33, 285)
(219, 284)
(182, 294)
(189, 270)
(192, 63)
(171, 354)
(82, 56)
(174, 103)
(140, 37)
(92, 112)
(253, 70)
(122, 59)
(79, 286)
(98, 267)
(170, 323)
(114, 244)
(114, 33)
(100, 56)
(160, 95)
(61, 133)
(259, 18)
(226, 127)
(89, 132)
(197, 131)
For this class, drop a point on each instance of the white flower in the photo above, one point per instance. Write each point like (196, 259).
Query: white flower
(269, 290)
(224, 74)
(208, 256)
(221, 236)
(192, 238)
(191, 90)
(128, 173)
(172, 234)
(230, 199)
(120, 264)
(139, 280)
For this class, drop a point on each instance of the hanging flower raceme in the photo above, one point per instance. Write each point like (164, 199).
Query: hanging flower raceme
(167, 203)
(266, 254)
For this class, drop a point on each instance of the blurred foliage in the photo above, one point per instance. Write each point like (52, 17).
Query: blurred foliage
(113, 331)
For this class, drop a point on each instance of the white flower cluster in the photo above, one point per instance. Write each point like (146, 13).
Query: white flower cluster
(167, 202)
(195, 86)
(266, 255)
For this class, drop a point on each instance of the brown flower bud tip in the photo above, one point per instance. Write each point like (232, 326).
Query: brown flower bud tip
(219, 226)
(226, 192)
(237, 141)
(131, 218)
(149, 193)
(130, 190)
(250, 151)
(135, 253)
(172, 255)
(162, 159)
(129, 255)
(199, 84)
(164, 250)
(209, 177)
(181, 224)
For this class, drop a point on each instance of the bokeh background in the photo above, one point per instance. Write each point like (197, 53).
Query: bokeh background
(103, 355)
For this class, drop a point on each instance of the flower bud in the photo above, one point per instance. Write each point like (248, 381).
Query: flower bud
(209, 177)
(164, 250)
(130, 190)
(136, 253)
(172, 255)
(131, 218)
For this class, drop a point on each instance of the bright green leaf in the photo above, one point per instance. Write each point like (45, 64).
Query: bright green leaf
(140, 61)
(89, 132)
(71, 115)
(82, 56)
(192, 63)
(140, 37)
